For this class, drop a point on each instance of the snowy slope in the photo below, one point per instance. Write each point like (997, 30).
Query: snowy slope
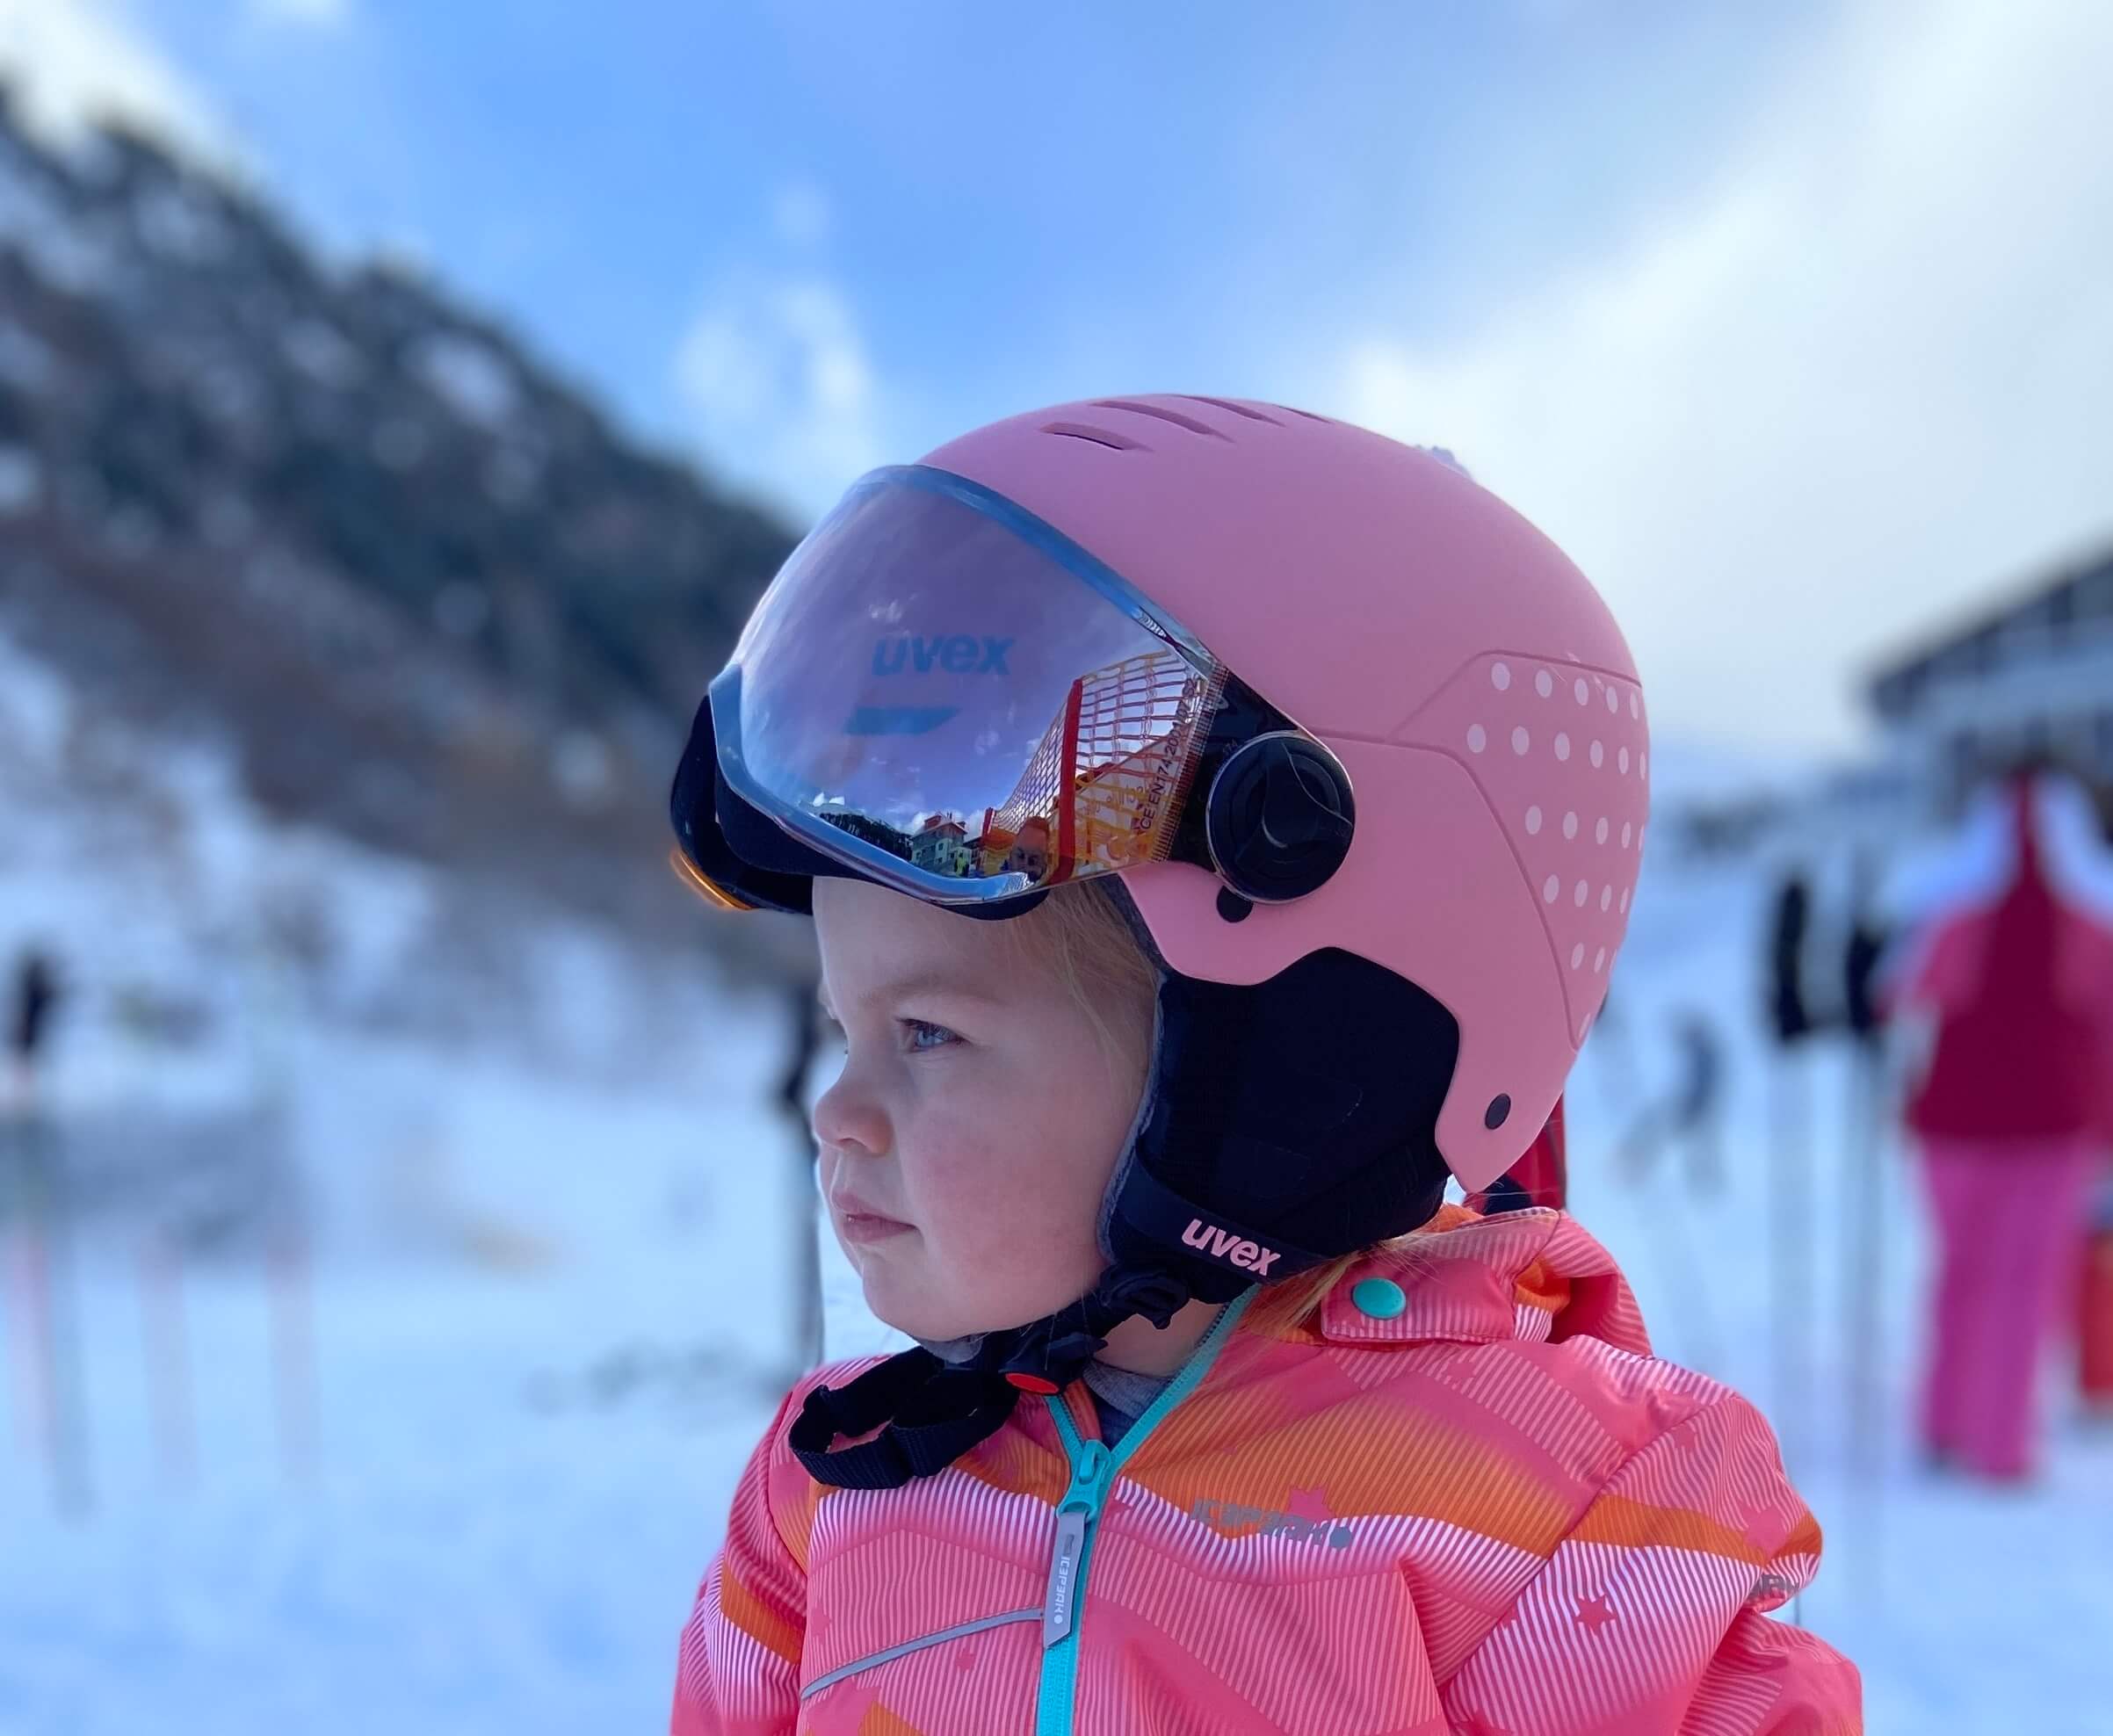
(548, 1321)
(523, 1163)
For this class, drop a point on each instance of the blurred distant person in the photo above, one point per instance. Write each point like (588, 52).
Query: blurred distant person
(791, 1097)
(1688, 1112)
(2009, 977)
(2094, 1322)
(1861, 956)
(1789, 1016)
(2094, 1313)
(791, 1093)
(36, 999)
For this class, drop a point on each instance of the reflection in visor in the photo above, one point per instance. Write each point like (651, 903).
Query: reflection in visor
(1107, 780)
(1102, 790)
(948, 682)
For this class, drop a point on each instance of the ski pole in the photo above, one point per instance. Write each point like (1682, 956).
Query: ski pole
(167, 1362)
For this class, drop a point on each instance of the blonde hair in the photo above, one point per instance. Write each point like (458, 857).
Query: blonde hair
(1306, 1293)
(1081, 936)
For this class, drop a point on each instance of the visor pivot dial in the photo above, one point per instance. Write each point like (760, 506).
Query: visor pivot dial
(1279, 817)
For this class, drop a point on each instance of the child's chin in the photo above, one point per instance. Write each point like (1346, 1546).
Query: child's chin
(917, 1316)
(928, 1319)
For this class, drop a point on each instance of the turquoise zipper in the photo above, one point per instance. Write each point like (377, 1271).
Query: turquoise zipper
(1093, 1468)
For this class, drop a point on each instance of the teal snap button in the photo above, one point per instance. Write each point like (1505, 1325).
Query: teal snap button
(1381, 1299)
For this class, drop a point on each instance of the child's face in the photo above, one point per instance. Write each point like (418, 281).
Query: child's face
(965, 1147)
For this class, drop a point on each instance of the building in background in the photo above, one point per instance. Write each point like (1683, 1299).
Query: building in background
(2031, 674)
(941, 846)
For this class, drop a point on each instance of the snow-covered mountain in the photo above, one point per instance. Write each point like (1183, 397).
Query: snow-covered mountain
(417, 580)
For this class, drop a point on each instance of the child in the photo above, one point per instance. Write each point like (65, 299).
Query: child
(1219, 823)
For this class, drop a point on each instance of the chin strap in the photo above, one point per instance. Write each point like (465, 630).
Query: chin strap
(929, 1413)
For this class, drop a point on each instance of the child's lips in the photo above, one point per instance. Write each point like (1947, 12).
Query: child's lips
(856, 1221)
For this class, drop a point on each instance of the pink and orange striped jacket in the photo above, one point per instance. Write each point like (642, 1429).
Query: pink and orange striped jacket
(1462, 1497)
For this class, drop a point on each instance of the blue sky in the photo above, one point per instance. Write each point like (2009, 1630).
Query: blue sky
(1778, 317)
(1016, 198)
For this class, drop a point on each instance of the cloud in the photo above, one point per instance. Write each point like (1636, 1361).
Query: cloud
(73, 63)
(1859, 381)
(319, 13)
(779, 387)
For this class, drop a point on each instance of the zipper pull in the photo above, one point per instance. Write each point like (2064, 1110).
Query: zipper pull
(1075, 1516)
(1086, 1472)
(1061, 1602)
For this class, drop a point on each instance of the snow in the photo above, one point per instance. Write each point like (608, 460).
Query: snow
(181, 222)
(35, 219)
(546, 1303)
(320, 349)
(471, 376)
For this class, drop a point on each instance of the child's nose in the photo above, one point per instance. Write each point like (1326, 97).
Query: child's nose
(849, 1117)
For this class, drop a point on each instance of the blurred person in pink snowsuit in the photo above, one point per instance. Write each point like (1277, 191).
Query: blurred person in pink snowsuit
(2009, 972)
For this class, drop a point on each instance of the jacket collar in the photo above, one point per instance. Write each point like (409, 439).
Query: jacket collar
(1534, 1277)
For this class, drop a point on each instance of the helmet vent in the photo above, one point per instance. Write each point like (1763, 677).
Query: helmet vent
(1162, 413)
(1247, 410)
(1099, 436)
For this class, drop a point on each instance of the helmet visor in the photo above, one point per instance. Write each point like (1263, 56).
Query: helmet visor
(945, 693)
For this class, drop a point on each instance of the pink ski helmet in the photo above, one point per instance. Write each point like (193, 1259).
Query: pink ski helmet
(1364, 752)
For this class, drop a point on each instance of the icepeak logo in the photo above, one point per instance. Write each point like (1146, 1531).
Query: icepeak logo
(1250, 1256)
(1229, 1519)
(955, 653)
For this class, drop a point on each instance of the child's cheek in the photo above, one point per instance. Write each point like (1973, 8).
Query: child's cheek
(993, 1184)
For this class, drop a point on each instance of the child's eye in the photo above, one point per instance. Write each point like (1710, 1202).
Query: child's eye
(919, 1036)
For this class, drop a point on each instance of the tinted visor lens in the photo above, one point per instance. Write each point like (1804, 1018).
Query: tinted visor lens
(944, 691)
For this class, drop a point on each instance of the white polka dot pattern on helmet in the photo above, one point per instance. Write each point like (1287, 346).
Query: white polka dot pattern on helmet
(1573, 825)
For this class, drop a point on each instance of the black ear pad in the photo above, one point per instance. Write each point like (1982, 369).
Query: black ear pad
(1300, 1114)
(745, 851)
(1279, 817)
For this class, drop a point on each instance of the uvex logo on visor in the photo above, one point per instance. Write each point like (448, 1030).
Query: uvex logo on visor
(955, 653)
(1224, 1245)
